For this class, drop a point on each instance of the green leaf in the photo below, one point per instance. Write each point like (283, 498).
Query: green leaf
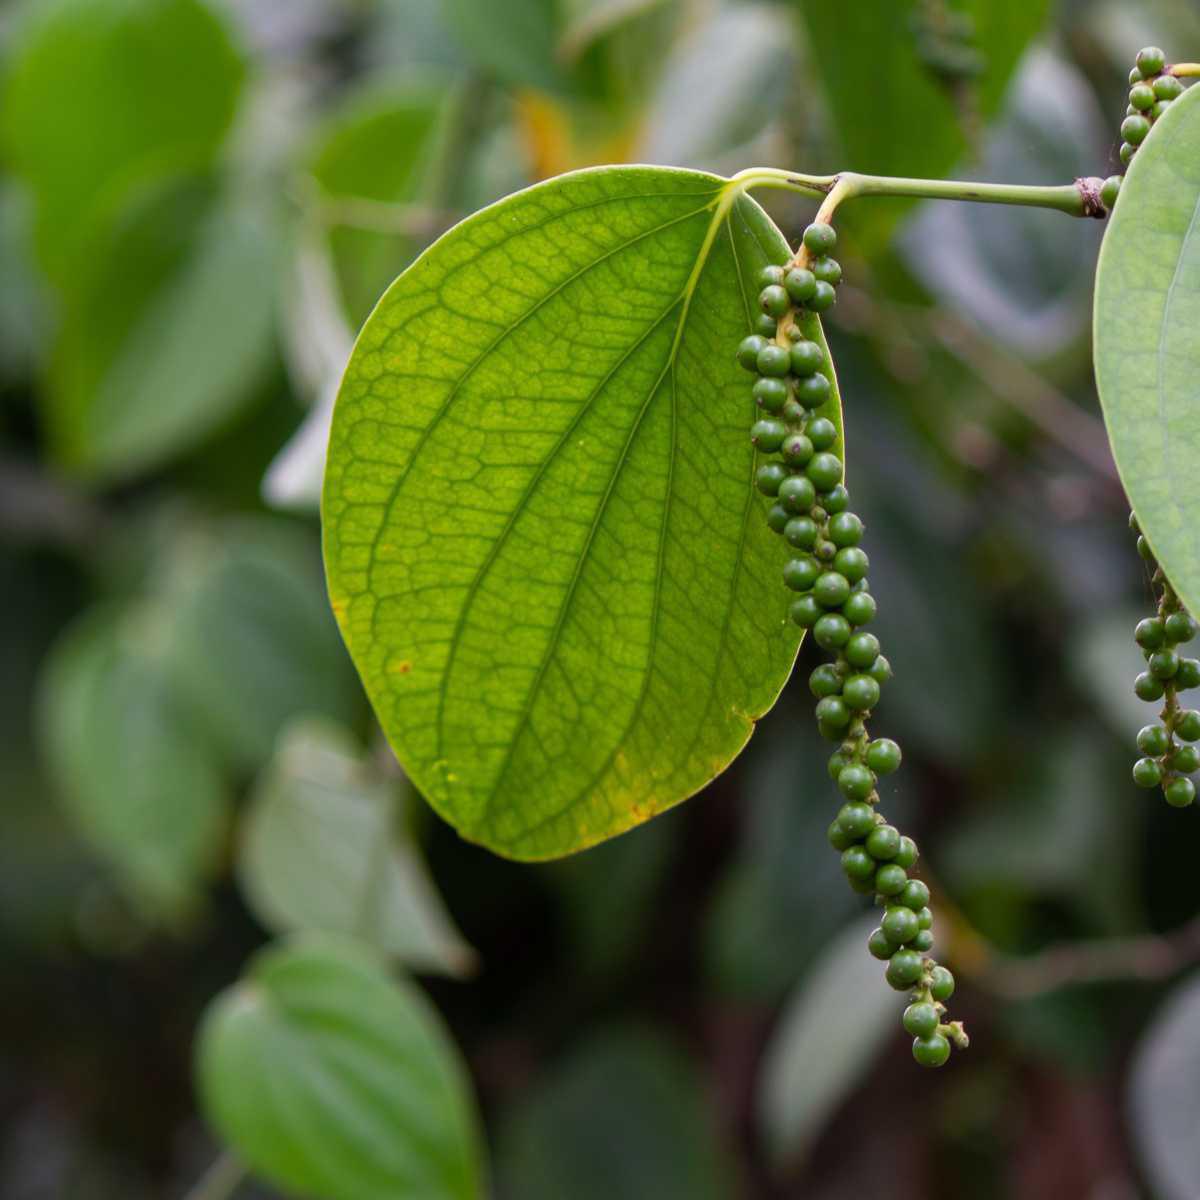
(377, 147)
(250, 644)
(832, 1028)
(623, 1116)
(141, 788)
(334, 1081)
(904, 122)
(157, 82)
(323, 850)
(517, 40)
(1147, 353)
(541, 536)
(167, 336)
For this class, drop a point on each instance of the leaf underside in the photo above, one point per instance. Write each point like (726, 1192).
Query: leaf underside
(542, 540)
(1147, 340)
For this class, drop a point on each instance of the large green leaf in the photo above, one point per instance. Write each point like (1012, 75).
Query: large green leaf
(336, 1082)
(323, 849)
(103, 96)
(1146, 346)
(542, 540)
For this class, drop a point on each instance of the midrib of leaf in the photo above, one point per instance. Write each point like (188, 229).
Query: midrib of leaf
(482, 356)
(722, 207)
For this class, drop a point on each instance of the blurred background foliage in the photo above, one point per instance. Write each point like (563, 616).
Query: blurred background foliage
(200, 200)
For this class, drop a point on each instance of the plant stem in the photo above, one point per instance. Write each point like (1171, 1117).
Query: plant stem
(1078, 199)
(220, 1181)
(1185, 70)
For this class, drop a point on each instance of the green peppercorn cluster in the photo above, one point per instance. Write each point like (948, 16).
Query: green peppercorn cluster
(1167, 760)
(1151, 91)
(828, 573)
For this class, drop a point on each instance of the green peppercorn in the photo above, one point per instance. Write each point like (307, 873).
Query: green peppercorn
(1179, 792)
(914, 896)
(777, 518)
(748, 350)
(801, 532)
(800, 284)
(932, 1051)
(1186, 760)
(765, 326)
(904, 968)
(822, 433)
(831, 589)
(769, 476)
(1149, 633)
(1134, 527)
(899, 925)
(862, 649)
(883, 843)
(879, 946)
(792, 412)
(1153, 740)
(855, 782)
(883, 755)
(807, 359)
(833, 711)
(839, 839)
(797, 494)
(856, 818)
(1164, 664)
(857, 863)
(1187, 726)
(1126, 153)
(921, 1019)
(1135, 75)
(805, 611)
(859, 609)
(1110, 189)
(770, 394)
(1168, 88)
(923, 941)
(1141, 96)
(880, 670)
(1143, 548)
(770, 275)
(1179, 627)
(825, 551)
(773, 360)
(941, 984)
(774, 300)
(845, 529)
(820, 238)
(797, 450)
(823, 297)
(836, 500)
(860, 693)
(831, 631)
(767, 435)
(813, 390)
(890, 879)
(906, 856)
(1188, 675)
(852, 562)
(825, 470)
(801, 573)
(1150, 61)
(1146, 687)
(925, 919)
(827, 270)
(825, 681)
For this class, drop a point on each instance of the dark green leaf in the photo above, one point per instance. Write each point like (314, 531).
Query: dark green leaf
(334, 1081)
(323, 849)
(624, 1116)
(102, 98)
(1146, 349)
(541, 536)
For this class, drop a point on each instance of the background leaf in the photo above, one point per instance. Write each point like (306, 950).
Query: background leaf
(624, 1116)
(541, 537)
(324, 849)
(159, 81)
(1147, 311)
(333, 1080)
